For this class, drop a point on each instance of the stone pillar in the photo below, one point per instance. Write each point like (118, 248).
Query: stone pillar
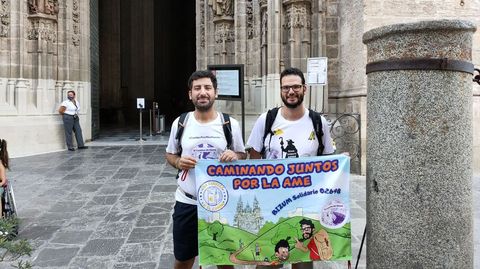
(419, 149)
(224, 21)
(296, 33)
(263, 37)
(21, 96)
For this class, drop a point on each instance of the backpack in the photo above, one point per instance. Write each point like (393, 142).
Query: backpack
(227, 129)
(317, 126)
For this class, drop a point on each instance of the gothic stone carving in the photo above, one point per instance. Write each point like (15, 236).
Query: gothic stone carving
(264, 28)
(4, 18)
(222, 7)
(43, 20)
(43, 29)
(76, 24)
(224, 32)
(263, 3)
(202, 24)
(49, 7)
(297, 16)
(250, 20)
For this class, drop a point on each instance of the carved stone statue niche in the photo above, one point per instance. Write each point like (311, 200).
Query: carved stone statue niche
(49, 7)
(32, 6)
(222, 7)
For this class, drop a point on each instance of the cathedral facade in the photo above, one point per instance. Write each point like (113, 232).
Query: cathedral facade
(48, 47)
(45, 51)
(248, 218)
(269, 35)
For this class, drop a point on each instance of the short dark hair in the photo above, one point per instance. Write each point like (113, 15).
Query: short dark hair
(307, 222)
(4, 153)
(70, 91)
(202, 74)
(292, 71)
(282, 244)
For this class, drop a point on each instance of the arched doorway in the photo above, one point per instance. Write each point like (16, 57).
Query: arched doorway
(146, 50)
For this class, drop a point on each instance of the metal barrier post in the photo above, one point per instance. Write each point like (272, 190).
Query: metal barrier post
(150, 121)
(140, 138)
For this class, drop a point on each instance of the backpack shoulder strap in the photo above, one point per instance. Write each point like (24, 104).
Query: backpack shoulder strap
(318, 127)
(271, 115)
(182, 121)
(227, 129)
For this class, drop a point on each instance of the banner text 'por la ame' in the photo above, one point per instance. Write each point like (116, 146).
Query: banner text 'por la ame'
(255, 176)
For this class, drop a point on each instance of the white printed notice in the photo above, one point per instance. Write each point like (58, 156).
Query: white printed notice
(317, 71)
(228, 82)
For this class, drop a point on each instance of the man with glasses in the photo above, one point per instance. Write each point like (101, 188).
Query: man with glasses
(318, 244)
(307, 229)
(292, 125)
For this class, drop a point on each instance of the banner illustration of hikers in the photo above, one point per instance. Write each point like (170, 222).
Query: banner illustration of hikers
(268, 212)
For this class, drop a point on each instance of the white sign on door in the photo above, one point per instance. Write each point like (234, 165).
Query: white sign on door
(140, 103)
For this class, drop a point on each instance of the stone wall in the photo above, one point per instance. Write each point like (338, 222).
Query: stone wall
(265, 44)
(44, 52)
(267, 36)
(350, 95)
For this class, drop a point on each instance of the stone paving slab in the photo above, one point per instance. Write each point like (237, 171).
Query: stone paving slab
(110, 207)
(55, 257)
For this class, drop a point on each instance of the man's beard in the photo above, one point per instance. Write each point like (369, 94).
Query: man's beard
(203, 106)
(294, 105)
(308, 236)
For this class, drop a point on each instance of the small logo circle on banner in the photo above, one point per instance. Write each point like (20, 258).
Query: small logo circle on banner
(333, 214)
(212, 195)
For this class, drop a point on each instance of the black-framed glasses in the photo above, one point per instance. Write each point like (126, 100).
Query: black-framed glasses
(295, 87)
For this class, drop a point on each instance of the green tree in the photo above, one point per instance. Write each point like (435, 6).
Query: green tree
(215, 230)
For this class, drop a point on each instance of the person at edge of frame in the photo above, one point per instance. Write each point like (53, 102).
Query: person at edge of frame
(296, 129)
(4, 166)
(203, 138)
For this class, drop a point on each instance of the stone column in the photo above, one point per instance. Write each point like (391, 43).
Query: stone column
(296, 33)
(419, 149)
(263, 37)
(224, 21)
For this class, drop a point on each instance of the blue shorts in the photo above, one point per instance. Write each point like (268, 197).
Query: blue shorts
(185, 231)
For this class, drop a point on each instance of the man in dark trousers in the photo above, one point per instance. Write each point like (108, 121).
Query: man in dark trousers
(292, 124)
(203, 137)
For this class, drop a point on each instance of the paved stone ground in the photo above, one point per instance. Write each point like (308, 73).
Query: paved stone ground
(110, 207)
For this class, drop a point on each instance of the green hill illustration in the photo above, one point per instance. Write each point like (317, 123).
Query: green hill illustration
(223, 244)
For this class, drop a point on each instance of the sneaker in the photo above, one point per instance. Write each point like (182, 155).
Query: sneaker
(84, 147)
(71, 149)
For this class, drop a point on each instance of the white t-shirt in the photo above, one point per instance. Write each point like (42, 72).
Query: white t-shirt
(71, 108)
(202, 141)
(291, 139)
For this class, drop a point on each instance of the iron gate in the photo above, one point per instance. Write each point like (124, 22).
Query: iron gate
(346, 135)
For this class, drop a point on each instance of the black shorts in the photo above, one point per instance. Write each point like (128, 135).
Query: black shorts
(185, 231)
